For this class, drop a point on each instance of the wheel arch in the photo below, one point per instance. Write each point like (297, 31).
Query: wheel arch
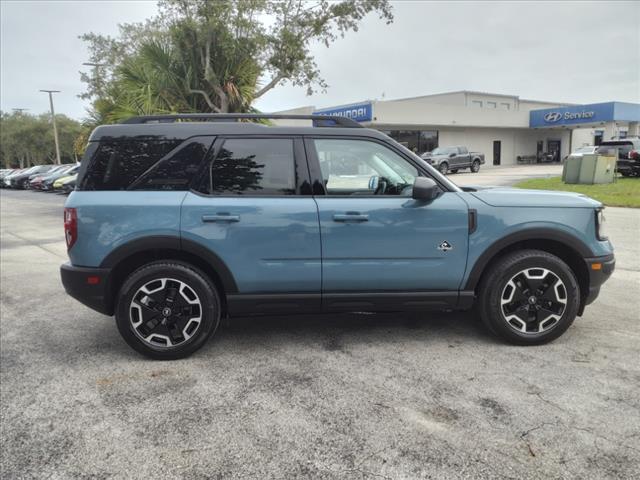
(129, 257)
(567, 247)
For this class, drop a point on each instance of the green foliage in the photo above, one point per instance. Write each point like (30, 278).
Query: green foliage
(625, 192)
(28, 139)
(215, 56)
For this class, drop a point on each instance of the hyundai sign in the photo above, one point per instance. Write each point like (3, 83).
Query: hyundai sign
(360, 112)
(594, 113)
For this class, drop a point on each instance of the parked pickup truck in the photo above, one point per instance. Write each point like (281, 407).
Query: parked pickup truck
(452, 159)
(628, 149)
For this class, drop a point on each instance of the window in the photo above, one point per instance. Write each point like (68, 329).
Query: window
(176, 171)
(505, 106)
(463, 150)
(492, 105)
(117, 164)
(252, 166)
(357, 167)
(418, 141)
(476, 103)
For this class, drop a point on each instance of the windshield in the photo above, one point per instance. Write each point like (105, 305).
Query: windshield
(584, 150)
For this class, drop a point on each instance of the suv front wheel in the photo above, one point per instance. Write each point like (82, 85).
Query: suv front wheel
(167, 310)
(529, 297)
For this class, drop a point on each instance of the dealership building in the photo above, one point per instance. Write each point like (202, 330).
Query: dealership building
(503, 127)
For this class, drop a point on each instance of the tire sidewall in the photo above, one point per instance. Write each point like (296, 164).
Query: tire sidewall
(210, 305)
(475, 166)
(495, 283)
(443, 168)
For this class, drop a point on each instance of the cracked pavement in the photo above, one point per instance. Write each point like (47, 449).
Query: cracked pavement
(336, 396)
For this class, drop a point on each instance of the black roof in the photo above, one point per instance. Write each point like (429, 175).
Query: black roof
(182, 126)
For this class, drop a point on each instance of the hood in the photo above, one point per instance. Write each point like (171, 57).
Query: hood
(516, 197)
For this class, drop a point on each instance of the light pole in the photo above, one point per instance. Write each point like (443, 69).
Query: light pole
(53, 119)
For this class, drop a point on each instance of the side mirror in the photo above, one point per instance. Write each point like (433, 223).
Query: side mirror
(424, 189)
(451, 155)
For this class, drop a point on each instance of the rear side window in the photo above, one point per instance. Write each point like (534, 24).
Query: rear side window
(117, 164)
(252, 166)
(175, 171)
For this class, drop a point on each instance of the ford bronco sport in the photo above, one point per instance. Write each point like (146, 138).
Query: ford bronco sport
(179, 220)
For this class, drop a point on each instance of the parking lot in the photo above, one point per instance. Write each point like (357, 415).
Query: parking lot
(345, 396)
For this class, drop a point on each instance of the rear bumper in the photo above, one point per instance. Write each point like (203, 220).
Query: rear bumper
(600, 269)
(90, 286)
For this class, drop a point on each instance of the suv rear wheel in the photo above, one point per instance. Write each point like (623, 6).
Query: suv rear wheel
(444, 168)
(475, 166)
(529, 297)
(167, 310)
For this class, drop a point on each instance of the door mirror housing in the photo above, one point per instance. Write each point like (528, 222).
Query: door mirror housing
(451, 155)
(424, 189)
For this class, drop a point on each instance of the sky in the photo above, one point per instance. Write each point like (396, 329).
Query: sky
(574, 52)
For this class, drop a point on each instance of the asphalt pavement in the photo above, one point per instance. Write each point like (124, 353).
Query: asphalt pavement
(334, 396)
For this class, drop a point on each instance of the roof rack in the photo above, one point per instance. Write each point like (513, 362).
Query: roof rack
(318, 120)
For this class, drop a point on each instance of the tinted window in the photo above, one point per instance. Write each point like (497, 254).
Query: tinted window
(176, 171)
(116, 165)
(357, 167)
(463, 150)
(252, 166)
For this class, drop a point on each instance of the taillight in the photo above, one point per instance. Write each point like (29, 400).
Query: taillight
(634, 155)
(70, 226)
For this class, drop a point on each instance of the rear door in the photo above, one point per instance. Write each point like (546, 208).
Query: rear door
(463, 157)
(381, 248)
(253, 209)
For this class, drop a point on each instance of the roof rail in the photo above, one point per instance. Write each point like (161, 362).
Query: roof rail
(318, 120)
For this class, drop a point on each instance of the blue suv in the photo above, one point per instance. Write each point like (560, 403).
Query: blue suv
(179, 220)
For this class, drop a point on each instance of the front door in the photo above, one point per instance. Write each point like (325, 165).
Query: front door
(251, 213)
(553, 147)
(497, 151)
(376, 239)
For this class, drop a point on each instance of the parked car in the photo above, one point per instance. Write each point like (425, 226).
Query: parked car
(21, 180)
(58, 185)
(6, 179)
(4, 174)
(452, 159)
(628, 152)
(69, 185)
(35, 182)
(22, 173)
(175, 224)
(47, 183)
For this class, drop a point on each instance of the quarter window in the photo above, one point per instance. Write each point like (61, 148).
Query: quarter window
(357, 167)
(251, 166)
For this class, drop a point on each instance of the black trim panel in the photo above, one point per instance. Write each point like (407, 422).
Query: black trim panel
(529, 234)
(96, 296)
(264, 304)
(168, 242)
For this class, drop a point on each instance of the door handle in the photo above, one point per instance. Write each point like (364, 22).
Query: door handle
(220, 218)
(350, 217)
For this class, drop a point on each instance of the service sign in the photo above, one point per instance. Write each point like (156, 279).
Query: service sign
(551, 117)
(360, 112)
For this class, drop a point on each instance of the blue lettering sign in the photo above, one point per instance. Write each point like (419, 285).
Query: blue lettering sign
(361, 112)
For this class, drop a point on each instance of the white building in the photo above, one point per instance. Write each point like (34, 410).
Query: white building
(503, 127)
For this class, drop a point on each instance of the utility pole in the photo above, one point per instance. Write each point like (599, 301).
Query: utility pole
(53, 119)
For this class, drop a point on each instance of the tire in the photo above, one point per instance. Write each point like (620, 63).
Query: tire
(475, 166)
(521, 316)
(444, 168)
(148, 324)
(454, 170)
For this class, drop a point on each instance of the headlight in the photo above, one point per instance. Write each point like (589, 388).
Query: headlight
(600, 231)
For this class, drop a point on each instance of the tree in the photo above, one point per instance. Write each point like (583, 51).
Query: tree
(216, 56)
(28, 139)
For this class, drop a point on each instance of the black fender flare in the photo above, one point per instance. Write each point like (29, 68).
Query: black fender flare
(530, 234)
(171, 242)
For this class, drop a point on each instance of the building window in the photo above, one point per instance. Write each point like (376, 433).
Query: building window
(505, 106)
(597, 137)
(492, 105)
(476, 103)
(622, 134)
(418, 141)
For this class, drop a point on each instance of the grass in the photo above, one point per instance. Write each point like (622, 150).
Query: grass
(624, 193)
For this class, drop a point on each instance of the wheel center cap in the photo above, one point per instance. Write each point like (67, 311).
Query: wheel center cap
(532, 300)
(166, 312)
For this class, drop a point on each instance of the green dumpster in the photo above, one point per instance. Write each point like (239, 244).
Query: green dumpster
(597, 169)
(571, 170)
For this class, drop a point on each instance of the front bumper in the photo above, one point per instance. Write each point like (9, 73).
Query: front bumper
(90, 286)
(600, 269)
